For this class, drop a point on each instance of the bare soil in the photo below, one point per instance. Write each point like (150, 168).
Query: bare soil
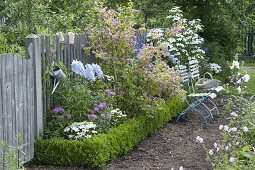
(170, 147)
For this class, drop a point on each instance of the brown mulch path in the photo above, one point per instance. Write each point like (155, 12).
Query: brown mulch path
(171, 147)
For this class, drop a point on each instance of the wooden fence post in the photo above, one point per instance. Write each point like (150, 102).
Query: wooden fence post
(33, 49)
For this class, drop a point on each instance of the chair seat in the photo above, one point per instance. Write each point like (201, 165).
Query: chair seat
(195, 95)
(217, 89)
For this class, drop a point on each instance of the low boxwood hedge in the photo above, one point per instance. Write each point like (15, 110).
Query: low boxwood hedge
(97, 151)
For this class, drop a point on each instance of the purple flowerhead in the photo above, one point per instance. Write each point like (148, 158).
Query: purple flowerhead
(109, 92)
(96, 109)
(92, 116)
(102, 105)
(68, 116)
(58, 109)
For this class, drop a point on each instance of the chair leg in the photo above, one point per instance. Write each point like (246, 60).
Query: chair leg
(183, 113)
(204, 113)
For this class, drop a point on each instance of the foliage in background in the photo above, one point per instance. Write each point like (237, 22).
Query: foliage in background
(24, 17)
(153, 12)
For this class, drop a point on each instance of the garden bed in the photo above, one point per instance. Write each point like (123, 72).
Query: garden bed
(170, 147)
(97, 151)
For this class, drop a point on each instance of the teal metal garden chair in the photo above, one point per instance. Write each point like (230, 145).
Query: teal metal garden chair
(200, 103)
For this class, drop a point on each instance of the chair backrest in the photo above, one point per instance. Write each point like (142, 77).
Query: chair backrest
(184, 73)
(194, 69)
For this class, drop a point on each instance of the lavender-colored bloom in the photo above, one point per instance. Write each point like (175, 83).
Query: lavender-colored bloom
(92, 116)
(89, 73)
(78, 67)
(68, 116)
(102, 105)
(96, 109)
(150, 64)
(97, 70)
(58, 109)
(109, 92)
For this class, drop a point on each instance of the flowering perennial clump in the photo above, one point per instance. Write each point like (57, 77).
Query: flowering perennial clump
(89, 72)
(215, 67)
(237, 78)
(235, 149)
(79, 130)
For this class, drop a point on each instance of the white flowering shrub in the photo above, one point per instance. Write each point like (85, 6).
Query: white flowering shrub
(80, 130)
(215, 67)
(181, 42)
(185, 44)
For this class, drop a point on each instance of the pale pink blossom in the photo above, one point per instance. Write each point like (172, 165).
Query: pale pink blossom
(239, 89)
(210, 152)
(246, 78)
(245, 129)
(221, 127)
(233, 114)
(227, 148)
(231, 159)
(226, 128)
(199, 139)
(235, 64)
(233, 129)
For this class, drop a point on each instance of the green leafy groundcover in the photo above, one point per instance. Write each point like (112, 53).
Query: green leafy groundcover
(97, 151)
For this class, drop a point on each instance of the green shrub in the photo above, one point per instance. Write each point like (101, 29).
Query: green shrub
(97, 151)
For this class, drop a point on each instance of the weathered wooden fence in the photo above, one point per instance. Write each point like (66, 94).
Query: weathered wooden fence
(20, 100)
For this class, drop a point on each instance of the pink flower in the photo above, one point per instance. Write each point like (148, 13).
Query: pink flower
(233, 114)
(226, 128)
(245, 129)
(215, 145)
(199, 139)
(231, 159)
(221, 127)
(210, 152)
(227, 148)
(233, 129)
